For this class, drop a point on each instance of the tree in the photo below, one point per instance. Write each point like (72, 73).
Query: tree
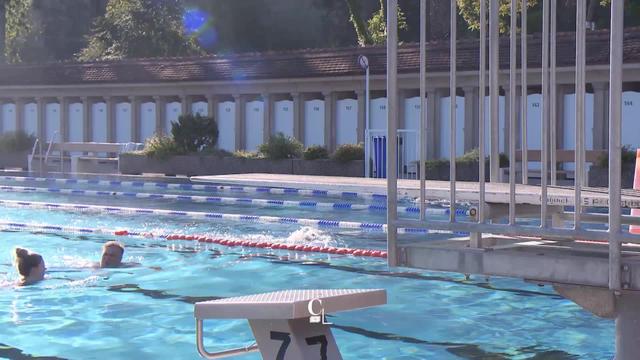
(139, 28)
(375, 31)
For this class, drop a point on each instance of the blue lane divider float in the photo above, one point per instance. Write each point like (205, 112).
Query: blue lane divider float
(314, 205)
(209, 188)
(317, 223)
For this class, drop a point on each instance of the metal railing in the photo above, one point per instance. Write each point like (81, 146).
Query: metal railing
(517, 77)
(220, 354)
(53, 137)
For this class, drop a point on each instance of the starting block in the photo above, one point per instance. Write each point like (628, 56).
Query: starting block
(288, 324)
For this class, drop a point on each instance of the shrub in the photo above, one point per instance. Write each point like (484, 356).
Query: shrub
(243, 154)
(161, 147)
(315, 152)
(16, 141)
(628, 157)
(281, 147)
(193, 133)
(349, 152)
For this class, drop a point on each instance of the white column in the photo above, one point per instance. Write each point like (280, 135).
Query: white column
(41, 102)
(361, 96)
(135, 118)
(64, 118)
(240, 121)
(160, 114)
(19, 113)
(471, 114)
(111, 120)
(600, 115)
(267, 101)
(87, 122)
(298, 116)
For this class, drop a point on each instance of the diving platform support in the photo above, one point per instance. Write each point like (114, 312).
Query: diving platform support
(287, 325)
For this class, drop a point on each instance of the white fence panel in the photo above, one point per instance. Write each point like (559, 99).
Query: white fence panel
(254, 124)
(31, 119)
(227, 125)
(99, 127)
(76, 122)
(631, 119)
(9, 123)
(445, 129)
(123, 122)
(52, 121)
(346, 121)
(147, 120)
(314, 123)
(283, 119)
(172, 112)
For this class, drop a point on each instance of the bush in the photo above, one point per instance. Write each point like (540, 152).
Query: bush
(243, 154)
(315, 152)
(628, 157)
(194, 133)
(161, 147)
(349, 152)
(281, 147)
(16, 141)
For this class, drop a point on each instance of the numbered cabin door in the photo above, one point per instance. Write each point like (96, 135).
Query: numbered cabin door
(314, 123)
(201, 108)
(76, 122)
(254, 125)
(173, 110)
(283, 119)
(412, 125)
(534, 118)
(570, 125)
(445, 127)
(123, 123)
(31, 119)
(147, 120)
(99, 128)
(52, 122)
(631, 119)
(227, 125)
(487, 124)
(346, 121)
(9, 123)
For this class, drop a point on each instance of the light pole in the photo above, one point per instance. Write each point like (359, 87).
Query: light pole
(364, 64)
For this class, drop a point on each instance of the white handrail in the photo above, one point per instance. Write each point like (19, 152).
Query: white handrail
(46, 157)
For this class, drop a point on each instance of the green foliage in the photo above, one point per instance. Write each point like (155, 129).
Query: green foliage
(628, 156)
(315, 152)
(280, 147)
(18, 28)
(243, 154)
(139, 29)
(16, 141)
(194, 133)
(470, 12)
(161, 147)
(374, 30)
(349, 152)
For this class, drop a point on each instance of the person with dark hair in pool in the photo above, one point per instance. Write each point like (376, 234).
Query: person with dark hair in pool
(112, 252)
(30, 266)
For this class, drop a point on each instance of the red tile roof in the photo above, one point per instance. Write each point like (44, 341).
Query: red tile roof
(309, 63)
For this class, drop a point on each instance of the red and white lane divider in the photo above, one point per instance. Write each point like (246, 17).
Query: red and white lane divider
(15, 226)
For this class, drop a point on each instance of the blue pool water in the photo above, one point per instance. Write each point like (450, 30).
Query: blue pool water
(146, 311)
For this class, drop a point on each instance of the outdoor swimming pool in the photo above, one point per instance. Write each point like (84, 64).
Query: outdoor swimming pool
(147, 311)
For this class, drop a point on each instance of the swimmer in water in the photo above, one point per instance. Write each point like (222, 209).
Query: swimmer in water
(112, 253)
(30, 266)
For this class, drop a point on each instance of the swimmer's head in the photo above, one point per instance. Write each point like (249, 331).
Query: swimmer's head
(30, 266)
(112, 253)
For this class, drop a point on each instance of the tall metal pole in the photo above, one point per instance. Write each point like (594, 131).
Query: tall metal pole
(494, 68)
(512, 110)
(482, 118)
(615, 148)
(553, 118)
(581, 19)
(524, 102)
(452, 112)
(423, 113)
(392, 124)
(545, 114)
(367, 139)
